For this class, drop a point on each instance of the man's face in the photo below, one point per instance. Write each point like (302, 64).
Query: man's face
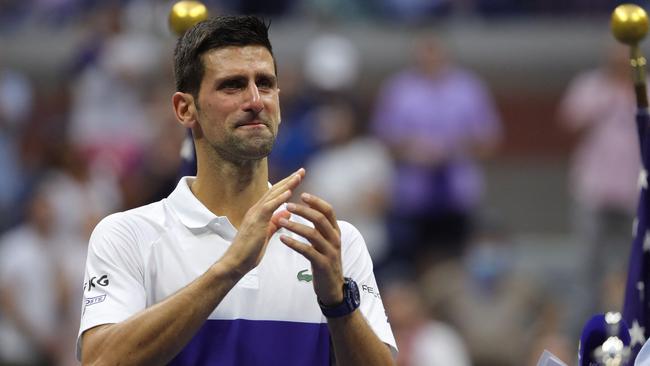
(238, 104)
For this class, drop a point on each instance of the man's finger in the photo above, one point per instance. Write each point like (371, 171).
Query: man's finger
(300, 173)
(274, 226)
(290, 182)
(275, 202)
(307, 251)
(322, 206)
(320, 221)
(311, 234)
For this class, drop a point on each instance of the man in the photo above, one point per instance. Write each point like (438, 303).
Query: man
(222, 272)
(598, 107)
(438, 120)
(30, 287)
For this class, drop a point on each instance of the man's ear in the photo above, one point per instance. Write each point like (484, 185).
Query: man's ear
(185, 109)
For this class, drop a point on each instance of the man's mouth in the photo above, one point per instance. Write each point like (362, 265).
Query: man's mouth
(256, 123)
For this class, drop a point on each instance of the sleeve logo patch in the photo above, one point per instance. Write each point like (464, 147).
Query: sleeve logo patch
(94, 282)
(370, 291)
(94, 300)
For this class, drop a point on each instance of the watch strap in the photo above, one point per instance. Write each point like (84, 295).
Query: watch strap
(350, 303)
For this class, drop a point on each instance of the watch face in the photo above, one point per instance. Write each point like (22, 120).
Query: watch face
(354, 292)
(351, 301)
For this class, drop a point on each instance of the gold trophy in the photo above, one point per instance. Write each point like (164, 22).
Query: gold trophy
(629, 26)
(185, 14)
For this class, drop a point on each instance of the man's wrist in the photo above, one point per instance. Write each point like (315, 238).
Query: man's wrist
(333, 300)
(228, 269)
(349, 303)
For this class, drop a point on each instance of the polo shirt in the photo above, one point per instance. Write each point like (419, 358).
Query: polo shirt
(139, 257)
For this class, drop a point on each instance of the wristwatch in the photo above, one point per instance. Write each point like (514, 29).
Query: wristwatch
(351, 301)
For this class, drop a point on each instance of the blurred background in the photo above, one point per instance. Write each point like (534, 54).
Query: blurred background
(486, 149)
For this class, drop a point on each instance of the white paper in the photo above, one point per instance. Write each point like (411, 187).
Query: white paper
(549, 359)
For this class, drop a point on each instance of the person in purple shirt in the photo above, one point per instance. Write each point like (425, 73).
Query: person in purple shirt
(437, 119)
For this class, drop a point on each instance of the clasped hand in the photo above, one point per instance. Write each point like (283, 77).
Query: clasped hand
(262, 222)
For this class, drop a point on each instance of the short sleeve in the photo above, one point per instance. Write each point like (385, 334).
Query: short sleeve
(357, 264)
(113, 288)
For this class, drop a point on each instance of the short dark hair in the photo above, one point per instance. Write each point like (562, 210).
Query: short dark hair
(213, 33)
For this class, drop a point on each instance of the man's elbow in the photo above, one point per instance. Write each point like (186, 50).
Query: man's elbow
(94, 348)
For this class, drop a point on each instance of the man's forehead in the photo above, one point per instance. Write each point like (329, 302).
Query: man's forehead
(238, 56)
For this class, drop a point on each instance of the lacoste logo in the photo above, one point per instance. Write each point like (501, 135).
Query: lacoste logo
(302, 276)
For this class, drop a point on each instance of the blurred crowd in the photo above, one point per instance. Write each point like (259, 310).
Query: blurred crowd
(14, 13)
(404, 168)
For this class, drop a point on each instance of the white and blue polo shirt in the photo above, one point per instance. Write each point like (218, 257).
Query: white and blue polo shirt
(139, 257)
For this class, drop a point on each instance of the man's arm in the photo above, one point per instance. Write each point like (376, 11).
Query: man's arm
(355, 343)
(155, 335)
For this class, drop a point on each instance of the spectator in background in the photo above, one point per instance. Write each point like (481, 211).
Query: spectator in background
(417, 10)
(13, 14)
(422, 340)
(102, 25)
(70, 255)
(108, 118)
(336, 9)
(30, 289)
(550, 334)
(437, 119)
(274, 8)
(599, 105)
(16, 98)
(492, 303)
(157, 173)
(330, 70)
(79, 194)
(352, 172)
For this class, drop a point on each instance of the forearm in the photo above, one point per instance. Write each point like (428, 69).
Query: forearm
(355, 343)
(157, 334)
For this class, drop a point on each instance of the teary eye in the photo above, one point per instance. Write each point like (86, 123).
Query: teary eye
(232, 84)
(265, 82)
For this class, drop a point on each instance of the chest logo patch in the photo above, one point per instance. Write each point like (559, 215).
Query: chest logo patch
(304, 276)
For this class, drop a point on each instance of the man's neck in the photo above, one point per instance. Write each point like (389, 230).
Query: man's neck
(230, 190)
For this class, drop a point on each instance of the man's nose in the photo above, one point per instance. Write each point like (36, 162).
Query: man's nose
(253, 100)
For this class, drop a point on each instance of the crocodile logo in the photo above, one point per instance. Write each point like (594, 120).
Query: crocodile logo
(303, 276)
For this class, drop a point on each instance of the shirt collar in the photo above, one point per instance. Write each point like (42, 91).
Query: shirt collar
(190, 211)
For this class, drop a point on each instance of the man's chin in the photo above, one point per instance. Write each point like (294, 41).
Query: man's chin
(256, 151)
(248, 149)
